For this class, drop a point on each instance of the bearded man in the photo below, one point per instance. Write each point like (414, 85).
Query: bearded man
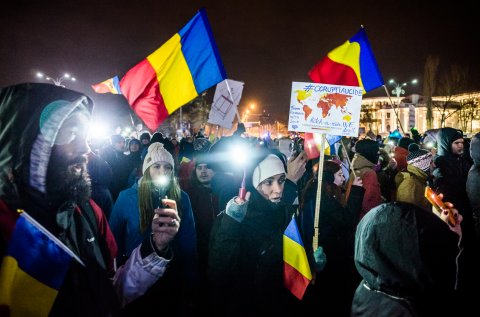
(43, 147)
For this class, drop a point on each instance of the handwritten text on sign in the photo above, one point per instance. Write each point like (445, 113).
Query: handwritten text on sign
(321, 108)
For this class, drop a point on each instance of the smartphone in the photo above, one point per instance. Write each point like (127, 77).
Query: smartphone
(297, 147)
(162, 194)
(433, 198)
(162, 205)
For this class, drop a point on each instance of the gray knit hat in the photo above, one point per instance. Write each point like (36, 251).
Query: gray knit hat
(157, 153)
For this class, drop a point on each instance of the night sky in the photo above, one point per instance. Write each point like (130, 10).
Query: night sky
(265, 44)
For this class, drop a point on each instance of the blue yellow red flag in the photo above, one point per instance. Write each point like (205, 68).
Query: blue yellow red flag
(312, 144)
(296, 273)
(350, 64)
(111, 85)
(176, 73)
(32, 270)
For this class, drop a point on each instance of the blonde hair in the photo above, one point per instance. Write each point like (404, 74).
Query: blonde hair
(145, 203)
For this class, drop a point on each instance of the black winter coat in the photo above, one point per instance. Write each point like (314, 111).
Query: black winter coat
(246, 262)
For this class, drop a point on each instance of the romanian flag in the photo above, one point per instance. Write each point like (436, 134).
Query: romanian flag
(111, 85)
(296, 272)
(350, 64)
(32, 270)
(312, 144)
(176, 73)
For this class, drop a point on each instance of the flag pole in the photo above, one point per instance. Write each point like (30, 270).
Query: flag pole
(345, 153)
(319, 192)
(216, 133)
(133, 125)
(51, 236)
(393, 107)
(231, 98)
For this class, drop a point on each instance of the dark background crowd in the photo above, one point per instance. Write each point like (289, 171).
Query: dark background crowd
(195, 245)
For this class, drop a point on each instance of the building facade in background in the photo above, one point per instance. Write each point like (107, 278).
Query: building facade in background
(460, 111)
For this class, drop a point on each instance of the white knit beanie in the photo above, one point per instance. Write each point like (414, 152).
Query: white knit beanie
(156, 154)
(270, 166)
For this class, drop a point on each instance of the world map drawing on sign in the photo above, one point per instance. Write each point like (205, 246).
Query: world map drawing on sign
(322, 108)
(326, 103)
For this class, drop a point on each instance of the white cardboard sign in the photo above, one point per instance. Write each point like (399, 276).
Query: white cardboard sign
(321, 108)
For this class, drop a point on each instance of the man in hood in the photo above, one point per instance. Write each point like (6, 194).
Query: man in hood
(450, 178)
(43, 147)
(450, 173)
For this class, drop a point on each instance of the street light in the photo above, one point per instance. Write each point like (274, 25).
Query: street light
(398, 90)
(58, 80)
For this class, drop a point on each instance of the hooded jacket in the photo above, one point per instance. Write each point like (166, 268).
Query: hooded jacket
(407, 259)
(473, 182)
(450, 178)
(30, 118)
(451, 169)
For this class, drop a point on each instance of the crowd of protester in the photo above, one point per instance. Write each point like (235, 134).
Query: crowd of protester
(182, 226)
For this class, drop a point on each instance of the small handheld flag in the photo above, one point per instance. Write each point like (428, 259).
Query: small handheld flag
(33, 269)
(296, 274)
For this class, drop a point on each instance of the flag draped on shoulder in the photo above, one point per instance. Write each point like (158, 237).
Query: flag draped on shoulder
(176, 73)
(32, 270)
(296, 273)
(350, 64)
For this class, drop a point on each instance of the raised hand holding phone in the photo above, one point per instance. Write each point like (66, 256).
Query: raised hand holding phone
(165, 223)
(296, 166)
